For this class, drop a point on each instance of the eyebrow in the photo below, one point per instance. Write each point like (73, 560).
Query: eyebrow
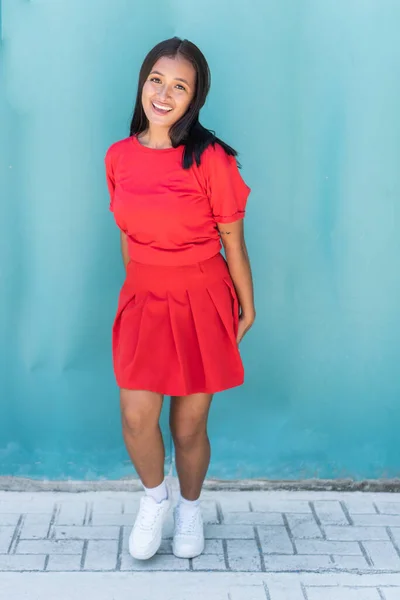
(176, 78)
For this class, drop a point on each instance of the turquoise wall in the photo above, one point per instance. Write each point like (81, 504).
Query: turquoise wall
(309, 93)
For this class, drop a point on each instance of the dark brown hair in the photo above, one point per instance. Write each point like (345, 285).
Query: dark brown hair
(188, 130)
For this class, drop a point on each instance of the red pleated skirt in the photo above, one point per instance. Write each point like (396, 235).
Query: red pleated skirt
(175, 329)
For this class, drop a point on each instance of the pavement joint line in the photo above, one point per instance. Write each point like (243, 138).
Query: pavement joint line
(317, 519)
(266, 591)
(346, 512)
(55, 513)
(289, 532)
(391, 537)
(365, 554)
(84, 553)
(191, 564)
(220, 514)
(119, 551)
(381, 594)
(90, 517)
(17, 534)
(46, 562)
(251, 509)
(86, 515)
(225, 549)
(376, 508)
(303, 589)
(260, 551)
(293, 572)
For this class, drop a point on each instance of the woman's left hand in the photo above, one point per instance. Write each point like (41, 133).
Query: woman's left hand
(245, 322)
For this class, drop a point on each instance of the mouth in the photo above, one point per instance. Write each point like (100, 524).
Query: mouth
(161, 109)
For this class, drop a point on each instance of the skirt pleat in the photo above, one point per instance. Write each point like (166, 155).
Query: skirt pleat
(175, 329)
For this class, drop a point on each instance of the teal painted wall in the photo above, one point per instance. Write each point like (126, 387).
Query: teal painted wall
(309, 93)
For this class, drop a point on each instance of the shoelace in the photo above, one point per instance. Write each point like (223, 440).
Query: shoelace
(187, 525)
(149, 513)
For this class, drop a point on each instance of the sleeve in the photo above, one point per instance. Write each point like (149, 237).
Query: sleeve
(110, 178)
(226, 189)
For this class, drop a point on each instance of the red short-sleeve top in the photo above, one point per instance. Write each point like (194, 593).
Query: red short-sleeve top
(170, 214)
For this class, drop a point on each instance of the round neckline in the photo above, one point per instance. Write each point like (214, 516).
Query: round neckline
(136, 141)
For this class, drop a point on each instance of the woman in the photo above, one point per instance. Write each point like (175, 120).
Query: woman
(176, 192)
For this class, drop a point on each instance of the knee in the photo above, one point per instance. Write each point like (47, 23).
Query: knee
(133, 420)
(188, 436)
(137, 420)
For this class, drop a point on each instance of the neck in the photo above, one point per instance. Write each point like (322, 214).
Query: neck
(155, 137)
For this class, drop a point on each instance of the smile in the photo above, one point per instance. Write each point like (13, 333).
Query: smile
(159, 108)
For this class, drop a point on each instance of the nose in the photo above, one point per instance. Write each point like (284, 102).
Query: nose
(163, 93)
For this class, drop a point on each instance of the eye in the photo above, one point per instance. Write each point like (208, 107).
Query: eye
(181, 87)
(155, 79)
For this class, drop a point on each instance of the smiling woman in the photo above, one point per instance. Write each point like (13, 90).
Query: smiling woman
(169, 90)
(176, 192)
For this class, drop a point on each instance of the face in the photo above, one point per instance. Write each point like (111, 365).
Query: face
(168, 91)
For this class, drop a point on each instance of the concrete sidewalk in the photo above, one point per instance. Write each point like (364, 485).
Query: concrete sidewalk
(272, 545)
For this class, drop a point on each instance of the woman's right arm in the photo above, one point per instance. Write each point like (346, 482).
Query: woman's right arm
(124, 249)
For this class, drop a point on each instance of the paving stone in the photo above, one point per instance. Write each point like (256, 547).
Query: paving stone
(209, 511)
(108, 505)
(68, 562)
(350, 562)
(335, 593)
(327, 547)
(159, 562)
(9, 519)
(395, 532)
(392, 593)
(330, 512)
(131, 507)
(275, 540)
(71, 513)
(247, 592)
(105, 532)
(297, 562)
(359, 504)
(243, 555)
(342, 533)
(213, 547)
(35, 526)
(27, 503)
(15, 562)
(303, 526)
(126, 520)
(6, 535)
(209, 562)
(233, 502)
(229, 531)
(284, 590)
(383, 555)
(49, 547)
(376, 520)
(101, 555)
(388, 508)
(253, 518)
(265, 504)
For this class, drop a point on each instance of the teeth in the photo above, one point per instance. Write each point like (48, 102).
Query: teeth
(161, 107)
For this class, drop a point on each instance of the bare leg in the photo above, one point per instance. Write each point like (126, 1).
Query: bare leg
(140, 414)
(188, 423)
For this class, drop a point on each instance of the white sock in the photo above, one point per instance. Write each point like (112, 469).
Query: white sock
(158, 493)
(187, 505)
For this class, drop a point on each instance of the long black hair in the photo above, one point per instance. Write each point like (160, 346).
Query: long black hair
(188, 131)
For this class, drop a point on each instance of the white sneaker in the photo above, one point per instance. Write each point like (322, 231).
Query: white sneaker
(188, 539)
(146, 535)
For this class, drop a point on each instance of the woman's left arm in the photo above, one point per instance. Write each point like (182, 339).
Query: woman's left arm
(232, 236)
